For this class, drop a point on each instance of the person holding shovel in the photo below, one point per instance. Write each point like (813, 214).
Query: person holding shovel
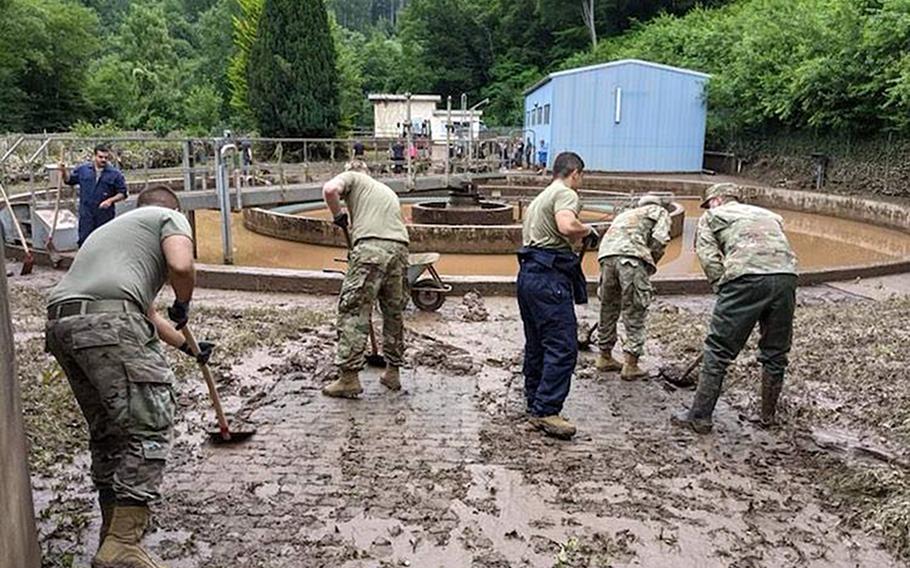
(628, 255)
(748, 260)
(103, 330)
(101, 185)
(550, 283)
(377, 269)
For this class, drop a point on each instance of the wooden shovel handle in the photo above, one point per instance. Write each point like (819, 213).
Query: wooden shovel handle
(210, 383)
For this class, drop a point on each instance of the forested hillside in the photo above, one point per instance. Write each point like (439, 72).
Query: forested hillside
(165, 65)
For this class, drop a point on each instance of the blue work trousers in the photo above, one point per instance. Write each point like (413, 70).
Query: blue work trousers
(551, 341)
(92, 217)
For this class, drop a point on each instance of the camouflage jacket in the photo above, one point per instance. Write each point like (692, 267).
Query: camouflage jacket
(737, 239)
(642, 233)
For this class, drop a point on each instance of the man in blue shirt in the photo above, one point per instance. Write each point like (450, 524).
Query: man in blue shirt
(101, 185)
(542, 155)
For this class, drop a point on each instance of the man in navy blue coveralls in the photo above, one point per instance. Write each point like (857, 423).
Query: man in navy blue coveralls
(550, 283)
(100, 186)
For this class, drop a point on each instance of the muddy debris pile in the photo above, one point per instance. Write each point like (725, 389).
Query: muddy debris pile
(426, 351)
(472, 308)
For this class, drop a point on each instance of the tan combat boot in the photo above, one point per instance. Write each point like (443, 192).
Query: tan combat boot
(121, 548)
(107, 513)
(391, 378)
(554, 425)
(606, 363)
(347, 386)
(631, 370)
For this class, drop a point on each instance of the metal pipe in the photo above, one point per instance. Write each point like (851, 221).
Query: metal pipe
(224, 199)
(464, 113)
(189, 182)
(448, 136)
(409, 183)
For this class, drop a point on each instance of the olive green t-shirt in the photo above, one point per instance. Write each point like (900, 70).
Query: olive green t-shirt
(374, 209)
(123, 260)
(539, 228)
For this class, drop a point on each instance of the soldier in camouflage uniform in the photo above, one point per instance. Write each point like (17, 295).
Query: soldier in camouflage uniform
(748, 260)
(628, 256)
(377, 268)
(104, 331)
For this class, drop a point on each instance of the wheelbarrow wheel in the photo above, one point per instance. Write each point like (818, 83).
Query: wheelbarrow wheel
(425, 295)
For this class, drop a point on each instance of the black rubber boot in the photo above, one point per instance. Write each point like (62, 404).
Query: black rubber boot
(698, 417)
(770, 393)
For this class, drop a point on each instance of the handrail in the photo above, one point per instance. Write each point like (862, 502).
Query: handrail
(12, 149)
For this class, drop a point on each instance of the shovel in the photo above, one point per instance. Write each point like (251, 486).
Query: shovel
(28, 262)
(223, 435)
(683, 380)
(374, 358)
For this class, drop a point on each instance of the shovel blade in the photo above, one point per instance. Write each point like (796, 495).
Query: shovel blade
(233, 437)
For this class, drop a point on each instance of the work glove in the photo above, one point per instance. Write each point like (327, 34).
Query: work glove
(179, 313)
(591, 240)
(205, 351)
(341, 220)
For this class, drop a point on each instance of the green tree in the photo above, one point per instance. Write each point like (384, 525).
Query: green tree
(353, 104)
(42, 70)
(245, 26)
(449, 46)
(292, 76)
(202, 110)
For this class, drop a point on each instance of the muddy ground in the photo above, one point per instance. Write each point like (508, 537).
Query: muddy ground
(447, 473)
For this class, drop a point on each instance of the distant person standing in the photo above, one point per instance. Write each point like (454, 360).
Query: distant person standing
(359, 150)
(101, 185)
(542, 155)
(518, 156)
(397, 156)
(529, 154)
(550, 283)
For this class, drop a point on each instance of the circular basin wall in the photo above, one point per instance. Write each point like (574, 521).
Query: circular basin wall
(311, 224)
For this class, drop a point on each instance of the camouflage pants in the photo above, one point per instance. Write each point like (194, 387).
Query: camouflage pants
(377, 269)
(124, 386)
(625, 290)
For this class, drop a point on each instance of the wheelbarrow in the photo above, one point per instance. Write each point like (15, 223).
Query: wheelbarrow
(428, 293)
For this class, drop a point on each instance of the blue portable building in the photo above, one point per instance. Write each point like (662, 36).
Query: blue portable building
(622, 116)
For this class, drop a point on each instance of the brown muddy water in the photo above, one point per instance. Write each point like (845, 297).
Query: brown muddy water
(819, 241)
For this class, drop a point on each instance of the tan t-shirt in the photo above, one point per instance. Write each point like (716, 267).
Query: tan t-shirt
(540, 229)
(374, 209)
(123, 260)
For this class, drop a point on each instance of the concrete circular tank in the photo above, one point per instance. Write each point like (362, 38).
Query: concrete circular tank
(311, 224)
(445, 213)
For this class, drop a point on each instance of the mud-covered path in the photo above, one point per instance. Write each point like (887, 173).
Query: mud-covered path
(447, 473)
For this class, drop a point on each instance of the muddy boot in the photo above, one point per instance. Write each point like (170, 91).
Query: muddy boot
(606, 363)
(770, 392)
(631, 370)
(347, 386)
(121, 548)
(698, 417)
(391, 378)
(554, 425)
(683, 419)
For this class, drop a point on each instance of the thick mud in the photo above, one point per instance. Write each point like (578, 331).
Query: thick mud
(446, 472)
